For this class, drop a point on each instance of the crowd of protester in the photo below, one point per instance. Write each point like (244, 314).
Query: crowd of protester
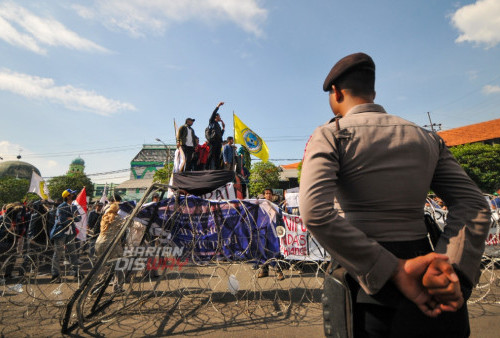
(42, 234)
(215, 153)
(36, 237)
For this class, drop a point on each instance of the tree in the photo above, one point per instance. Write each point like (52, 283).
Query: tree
(299, 171)
(481, 162)
(74, 182)
(263, 175)
(247, 160)
(31, 197)
(13, 189)
(163, 175)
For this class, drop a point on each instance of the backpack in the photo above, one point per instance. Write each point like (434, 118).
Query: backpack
(210, 133)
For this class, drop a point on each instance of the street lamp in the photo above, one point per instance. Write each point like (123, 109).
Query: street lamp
(166, 150)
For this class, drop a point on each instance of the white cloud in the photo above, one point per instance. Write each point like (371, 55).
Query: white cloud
(139, 17)
(479, 23)
(21, 28)
(489, 89)
(35, 87)
(10, 35)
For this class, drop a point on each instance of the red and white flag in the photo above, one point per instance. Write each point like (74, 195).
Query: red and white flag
(81, 199)
(81, 203)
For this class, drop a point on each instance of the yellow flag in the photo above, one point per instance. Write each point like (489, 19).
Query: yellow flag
(248, 138)
(37, 186)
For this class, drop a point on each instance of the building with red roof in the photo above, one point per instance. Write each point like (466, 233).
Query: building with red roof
(486, 132)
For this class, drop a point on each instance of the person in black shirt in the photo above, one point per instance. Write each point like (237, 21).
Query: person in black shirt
(186, 140)
(214, 135)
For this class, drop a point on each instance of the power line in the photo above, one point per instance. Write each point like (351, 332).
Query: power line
(110, 172)
(270, 139)
(468, 107)
(466, 95)
(288, 140)
(83, 152)
(102, 174)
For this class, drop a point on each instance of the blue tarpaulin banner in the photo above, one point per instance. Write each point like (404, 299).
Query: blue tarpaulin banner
(238, 230)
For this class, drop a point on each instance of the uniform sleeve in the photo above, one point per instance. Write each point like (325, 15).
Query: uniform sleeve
(365, 259)
(468, 219)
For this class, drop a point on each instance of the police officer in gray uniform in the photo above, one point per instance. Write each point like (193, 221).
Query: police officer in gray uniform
(380, 168)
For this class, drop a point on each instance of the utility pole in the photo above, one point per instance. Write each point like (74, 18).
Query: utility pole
(167, 150)
(432, 125)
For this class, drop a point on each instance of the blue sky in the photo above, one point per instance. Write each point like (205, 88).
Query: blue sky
(98, 79)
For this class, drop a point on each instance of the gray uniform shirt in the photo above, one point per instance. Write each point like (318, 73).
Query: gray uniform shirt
(380, 168)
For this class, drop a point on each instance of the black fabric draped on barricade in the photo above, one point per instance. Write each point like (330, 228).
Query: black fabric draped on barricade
(202, 182)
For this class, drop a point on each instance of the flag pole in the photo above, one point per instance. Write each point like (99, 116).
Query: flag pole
(168, 150)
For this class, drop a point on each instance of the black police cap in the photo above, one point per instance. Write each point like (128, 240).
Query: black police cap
(348, 63)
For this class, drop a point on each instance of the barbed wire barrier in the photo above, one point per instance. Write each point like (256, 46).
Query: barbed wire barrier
(186, 265)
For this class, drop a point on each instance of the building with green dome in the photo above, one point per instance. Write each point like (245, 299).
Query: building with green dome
(77, 166)
(17, 169)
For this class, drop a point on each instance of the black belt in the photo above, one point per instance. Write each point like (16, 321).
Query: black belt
(389, 295)
(408, 249)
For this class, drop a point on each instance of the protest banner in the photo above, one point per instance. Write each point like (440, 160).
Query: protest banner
(297, 243)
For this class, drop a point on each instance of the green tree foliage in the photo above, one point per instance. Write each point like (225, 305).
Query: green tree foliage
(481, 162)
(163, 175)
(263, 175)
(247, 161)
(32, 197)
(299, 171)
(76, 182)
(13, 190)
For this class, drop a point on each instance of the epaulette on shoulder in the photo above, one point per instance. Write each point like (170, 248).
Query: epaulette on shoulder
(335, 120)
(439, 140)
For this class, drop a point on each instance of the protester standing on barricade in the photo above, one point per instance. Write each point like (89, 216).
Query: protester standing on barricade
(186, 140)
(214, 135)
(242, 172)
(380, 167)
(202, 151)
(194, 159)
(228, 153)
(63, 236)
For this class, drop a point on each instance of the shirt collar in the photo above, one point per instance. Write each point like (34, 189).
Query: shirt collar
(366, 107)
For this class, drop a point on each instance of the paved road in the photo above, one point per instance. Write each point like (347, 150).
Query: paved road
(196, 302)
